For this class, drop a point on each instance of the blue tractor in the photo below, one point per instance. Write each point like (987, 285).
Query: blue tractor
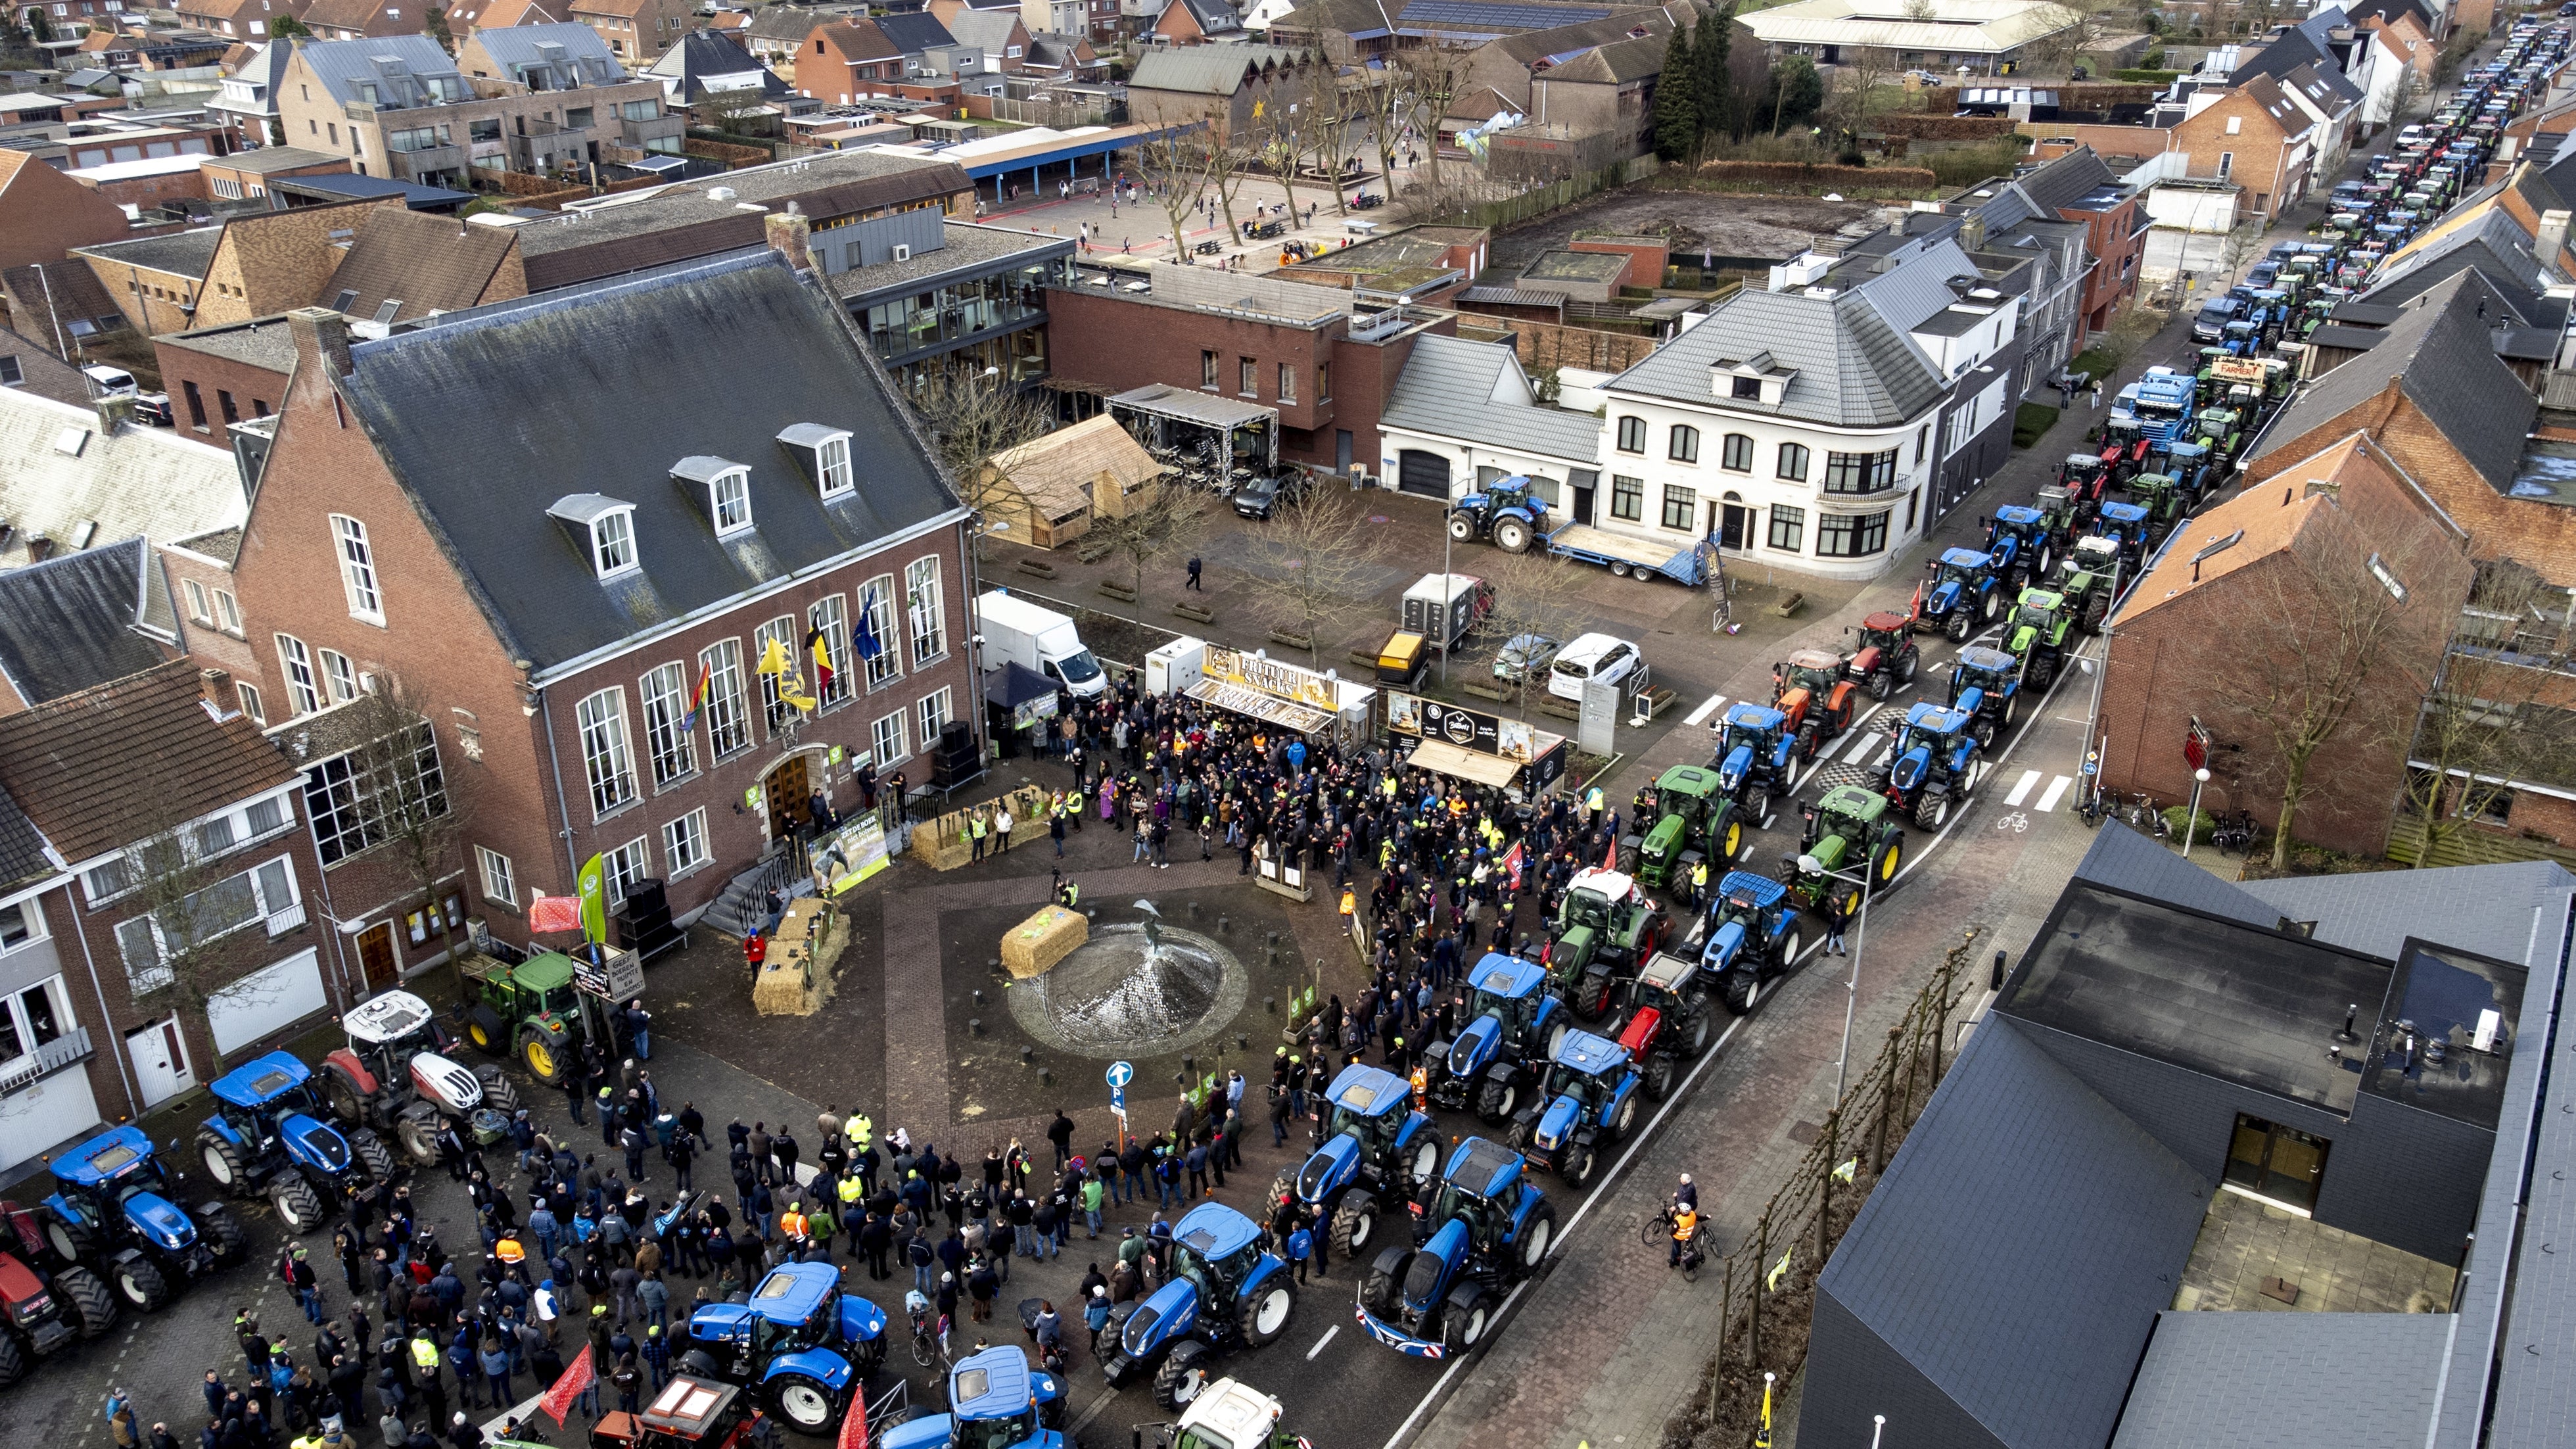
(111, 1212)
(2022, 542)
(1587, 1104)
(1752, 937)
(1986, 683)
(1757, 757)
(2127, 524)
(1507, 510)
(1966, 591)
(1934, 764)
(1487, 1229)
(1513, 1026)
(802, 1342)
(1375, 1152)
(268, 1137)
(1224, 1294)
(995, 1401)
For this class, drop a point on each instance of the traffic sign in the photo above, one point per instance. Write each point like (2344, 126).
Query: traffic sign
(1118, 1100)
(1119, 1075)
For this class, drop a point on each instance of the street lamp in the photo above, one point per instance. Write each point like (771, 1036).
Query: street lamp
(1808, 864)
(2191, 822)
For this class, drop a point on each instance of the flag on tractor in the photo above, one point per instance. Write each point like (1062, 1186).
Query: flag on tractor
(558, 1400)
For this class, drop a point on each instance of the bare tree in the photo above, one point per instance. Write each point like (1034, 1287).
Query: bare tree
(1168, 524)
(2240, 246)
(1332, 108)
(1855, 90)
(1383, 106)
(1534, 593)
(1320, 558)
(2073, 29)
(1228, 168)
(970, 417)
(1277, 138)
(1175, 166)
(192, 914)
(1428, 79)
(413, 809)
(2496, 715)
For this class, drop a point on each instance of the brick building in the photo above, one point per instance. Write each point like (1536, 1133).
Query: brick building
(364, 19)
(218, 376)
(2257, 137)
(637, 31)
(1218, 84)
(44, 213)
(848, 60)
(735, 471)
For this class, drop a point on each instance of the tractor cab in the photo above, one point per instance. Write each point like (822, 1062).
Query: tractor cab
(2244, 339)
(261, 1099)
(1810, 688)
(995, 1401)
(1964, 592)
(1887, 657)
(688, 1413)
(1987, 684)
(2189, 461)
(2126, 523)
(530, 1010)
(2083, 476)
(2161, 495)
(1230, 1414)
(1846, 830)
(1929, 773)
(2020, 541)
(2040, 626)
(1693, 820)
(2219, 428)
(1754, 751)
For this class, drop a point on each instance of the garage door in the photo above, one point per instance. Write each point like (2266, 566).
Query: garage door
(45, 1115)
(266, 1001)
(1422, 473)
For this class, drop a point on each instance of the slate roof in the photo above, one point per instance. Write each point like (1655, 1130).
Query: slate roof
(140, 480)
(179, 253)
(715, 359)
(2485, 909)
(341, 64)
(84, 768)
(858, 40)
(73, 622)
(2284, 53)
(2277, 1380)
(2026, 1206)
(521, 52)
(1449, 387)
(1209, 70)
(2124, 860)
(1854, 368)
(989, 29)
(39, 370)
(2443, 355)
(2067, 180)
(703, 54)
(2324, 86)
(2494, 245)
(915, 32)
(68, 292)
(1214, 17)
(1612, 64)
(425, 262)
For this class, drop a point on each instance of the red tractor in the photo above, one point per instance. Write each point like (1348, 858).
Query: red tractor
(1887, 657)
(1811, 689)
(38, 1317)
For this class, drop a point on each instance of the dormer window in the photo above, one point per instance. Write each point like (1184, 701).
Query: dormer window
(723, 489)
(603, 525)
(825, 454)
(1760, 378)
(733, 501)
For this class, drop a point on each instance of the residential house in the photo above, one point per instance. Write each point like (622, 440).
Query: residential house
(220, 377)
(637, 31)
(2087, 223)
(76, 476)
(2336, 105)
(848, 60)
(703, 61)
(1463, 414)
(137, 791)
(778, 33)
(1065, 58)
(405, 265)
(1183, 22)
(1585, 78)
(62, 307)
(44, 214)
(250, 176)
(155, 279)
(364, 19)
(247, 102)
(473, 15)
(1002, 35)
(251, 264)
(564, 703)
(2257, 137)
(1217, 84)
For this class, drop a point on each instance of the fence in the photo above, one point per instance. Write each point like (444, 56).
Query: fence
(1769, 1282)
(1541, 200)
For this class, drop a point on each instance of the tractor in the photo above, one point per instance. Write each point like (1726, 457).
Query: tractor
(2189, 461)
(1756, 757)
(2038, 639)
(1934, 764)
(2222, 430)
(1752, 937)
(1224, 1293)
(1372, 1155)
(1965, 592)
(1811, 689)
(42, 1313)
(688, 1413)
(111, 1212)
(2084, 476)
(2022, 542)
(1586, 1106)
(1987, 684)
(1511, 1030)
(1488, 1229)
(2125, 524)
(1606, 923)
(1887, 657)
(1506, 510)
(995, 1401)
(2124, 447)
(531, 1011)
(802, 1342)
(2161, 494)
(266, 1137)
(1227, 1414)
(396, 1076)
(1846, 830)
(1668, 1022)
(1696, 822)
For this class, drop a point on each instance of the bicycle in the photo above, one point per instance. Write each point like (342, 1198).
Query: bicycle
(1656, 1231)
(929, 1339)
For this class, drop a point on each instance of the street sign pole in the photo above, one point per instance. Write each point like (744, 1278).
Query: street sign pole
(1118, 1076)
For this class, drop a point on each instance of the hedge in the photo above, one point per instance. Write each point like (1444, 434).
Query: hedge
(2156, 78)
(1800, 173)
(1944, 128)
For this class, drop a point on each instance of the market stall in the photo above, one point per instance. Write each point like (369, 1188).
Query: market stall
(1200, 432)
(1282, 696)
(1464, 744)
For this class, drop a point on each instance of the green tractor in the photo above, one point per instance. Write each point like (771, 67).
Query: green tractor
(2085, 577)
(1849, 831)
(1604, 929)
(2038, 635)
(2161, 494)
(2222, 430)
(531, 1011)
(1697, 821)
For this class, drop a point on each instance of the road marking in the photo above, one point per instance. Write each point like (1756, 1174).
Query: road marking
(1319, 1343)
(1886, 754)
(2056, 792)
(2021, 787)
(1707, 707)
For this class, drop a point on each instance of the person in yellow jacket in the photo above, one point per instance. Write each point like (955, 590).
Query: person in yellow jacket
(1685, 1227)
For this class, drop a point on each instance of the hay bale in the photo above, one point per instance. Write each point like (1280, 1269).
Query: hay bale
(780, 991)
(1033, 946)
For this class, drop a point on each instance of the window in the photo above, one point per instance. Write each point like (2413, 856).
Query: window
(224, 401)
(830, 616)
(265, 817)
(297, 664)
(215, 836)
(146, 942)
(20, 922)
(340, 676)
(1685, 445)
(2226, 163)
(888, 735)
(640, 110)
(1860, 472)
(250, 702)
(1739, 453)
(1632, 435)
(108, 879)
(612, 542)
(782, 630)
(1851, 535)
(198, 608)
(1627, 497)
(30, 1019)
(1247, 377)
(579, 118)
(362, 799)
(834, 460)
(1793, 462)
(1921, 434)
(934, 714)
(228, 612)
(731, 495)
(1287, 382)
(720, 677)
(1788, 529)
(1207, 369)
(684, 844)
(1323, 382)
(500, 882)
(603, 751)
(668, 742)
(196, 404)
(1745, 389)
(923, 609)
(1681, 507)
(624, 866)
(876, 616)
(11, 375)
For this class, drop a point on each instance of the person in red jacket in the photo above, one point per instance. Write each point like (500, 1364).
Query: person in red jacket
(754, 951)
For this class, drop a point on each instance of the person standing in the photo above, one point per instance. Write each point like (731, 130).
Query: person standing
(1002, 830)
(1837, 911)
(1193, 584)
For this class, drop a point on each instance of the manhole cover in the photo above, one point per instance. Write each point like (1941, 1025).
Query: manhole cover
(1119, 995)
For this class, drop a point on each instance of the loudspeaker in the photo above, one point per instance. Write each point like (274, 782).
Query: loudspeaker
(644, 922)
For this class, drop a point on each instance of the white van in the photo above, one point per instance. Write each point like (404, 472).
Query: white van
(1605, 657)
(1018, 632)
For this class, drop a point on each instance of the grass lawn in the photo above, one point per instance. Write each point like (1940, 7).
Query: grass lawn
(2030, 421)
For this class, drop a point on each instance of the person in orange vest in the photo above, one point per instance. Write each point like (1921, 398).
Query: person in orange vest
(792, 1226)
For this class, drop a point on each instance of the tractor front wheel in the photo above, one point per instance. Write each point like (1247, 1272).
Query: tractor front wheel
(1791, 945)
(2012, 708)
(1907, 663)
(1991, 605)
(1626, 1121)
(2043, 668)
(1592, 996)
(1884, 861)
(419, 1138)
(13, 1361)
(1354, 1225)
(1462, 527)
(1810, 739)
(1264, 1316)
(1757, 804)
(223, 1235)
(1932, 809)
(1730, 842)
(297, 1205)
(802, 1402)
(484, 1028)
(1957, 625)
(499, 1093)
(1464, 1317)
(92, 1304)
(1495, 1101)
(1181, 1376)
(1879, 687)
(1699, 1031)
(1578, 1165)
(1659, 1076)
(1736, 991)
(1536, 1236)
(372, 1156)
(223, 1163)
(71, 1241)
(141, 1284)
(1377, 1290)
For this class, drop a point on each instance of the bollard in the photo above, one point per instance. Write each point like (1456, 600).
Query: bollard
(1274, 943)
(1189, 1064)
(974, 1026)
(1028, 1055)
(979, 996)
(1243, 1041)
(1270, 1005)
(1046, 1076)
(1194, 910)
(1224, 925)
(992, 965)
(1997, 983)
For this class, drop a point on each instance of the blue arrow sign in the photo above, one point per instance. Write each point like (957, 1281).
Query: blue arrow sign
(1119, 1075)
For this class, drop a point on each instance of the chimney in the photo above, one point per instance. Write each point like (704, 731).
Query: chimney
(787, 237)
(2551, 238)
(321, 339)
(115, 411)
(217, 687)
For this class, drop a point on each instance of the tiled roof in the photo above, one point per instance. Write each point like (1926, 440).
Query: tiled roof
(124, 762)
(71, 623)
(1853, 368)
(1211, 70)
(562, 56)
(703, 55)
(427, 263)
(22, 849)
(859, 40)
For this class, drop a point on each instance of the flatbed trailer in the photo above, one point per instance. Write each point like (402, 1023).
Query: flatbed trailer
(1691, 567)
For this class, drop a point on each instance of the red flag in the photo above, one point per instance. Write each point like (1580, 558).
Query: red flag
(854, 1424)
(554, 913)
(558, 1400)
(1512, 867)
(1610, 857)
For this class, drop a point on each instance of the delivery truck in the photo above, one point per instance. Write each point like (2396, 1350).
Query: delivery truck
(1016, 631)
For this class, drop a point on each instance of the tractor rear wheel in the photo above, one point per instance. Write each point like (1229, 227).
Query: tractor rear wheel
(1377, 1289)
(222, 1234)
(224, 1163)
(372, 1156)
(92, 1304)
(297, 1205)
(1659, 1076)
(1464, 1317)
(1354, 1224)
(71, 1241)
(1264, 1315)
(1181, 1376)
(341, 1095)
(141, 1284)
(1512, 536)
(13, 1360)
(1495, 1101)
(1579, 1162)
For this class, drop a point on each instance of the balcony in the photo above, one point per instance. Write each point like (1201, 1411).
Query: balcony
(412, 165)
(63, 1051)
(664, 127)
(290, 919)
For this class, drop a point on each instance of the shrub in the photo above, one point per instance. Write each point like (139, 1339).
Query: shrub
(2177, 816)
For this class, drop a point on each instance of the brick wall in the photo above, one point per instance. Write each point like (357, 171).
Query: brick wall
(279, 260)
(150, 193)
(1646, 260)
(1120, 343)
(255, 390)
(44, 213)
(153, 302)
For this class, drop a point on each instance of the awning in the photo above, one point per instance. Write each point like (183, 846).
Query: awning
(1205, 409)
(1269, 709)
(1442, 757)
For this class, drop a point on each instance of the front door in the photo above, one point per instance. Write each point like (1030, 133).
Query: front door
(1342, 451)
(788, 794)
(2280, 1163)
(376, 956)
(160, 1060)
(1582, 504)
(1731, 520)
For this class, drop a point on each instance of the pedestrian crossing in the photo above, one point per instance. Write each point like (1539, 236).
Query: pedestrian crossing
(2057, 787)
(1707, 707)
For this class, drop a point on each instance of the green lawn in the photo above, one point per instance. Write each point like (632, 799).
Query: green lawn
(2030, 421)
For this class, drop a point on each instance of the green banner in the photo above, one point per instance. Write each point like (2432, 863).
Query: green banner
(594, 899)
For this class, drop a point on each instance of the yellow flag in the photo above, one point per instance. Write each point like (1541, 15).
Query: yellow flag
(1779, 1270)
(773, 659)
(792, 690)
(1256, 110)
(1845, 1172)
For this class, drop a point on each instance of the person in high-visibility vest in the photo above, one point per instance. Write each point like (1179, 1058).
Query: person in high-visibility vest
(1350, 902)
(1699, 883)
(1685, 1226)
(861, 1128)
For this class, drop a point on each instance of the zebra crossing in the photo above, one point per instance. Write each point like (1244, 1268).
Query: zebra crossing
(2049, 799)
